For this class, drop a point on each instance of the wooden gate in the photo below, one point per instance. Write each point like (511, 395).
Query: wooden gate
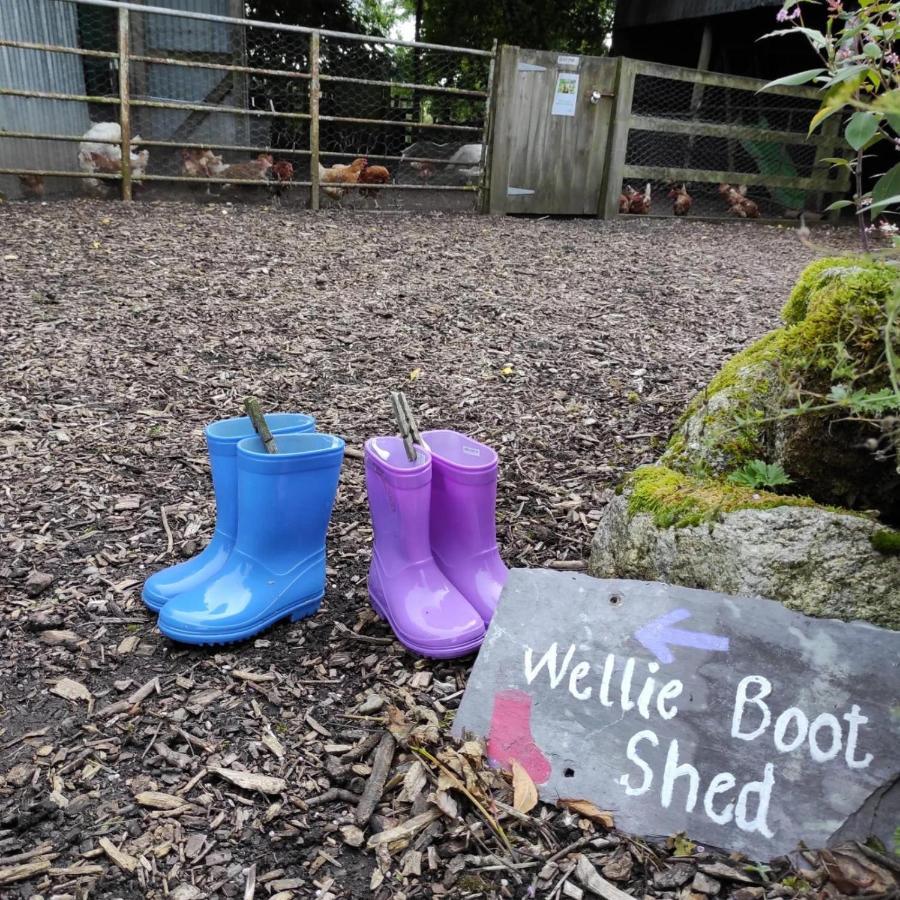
(552, 117)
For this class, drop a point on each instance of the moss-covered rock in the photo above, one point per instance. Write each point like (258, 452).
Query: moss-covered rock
(697, 532)
(834, 335)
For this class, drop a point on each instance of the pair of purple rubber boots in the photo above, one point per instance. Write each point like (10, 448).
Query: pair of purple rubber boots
(436, 573)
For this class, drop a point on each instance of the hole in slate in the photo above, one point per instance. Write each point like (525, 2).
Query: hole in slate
(615, 599)
(569, 773)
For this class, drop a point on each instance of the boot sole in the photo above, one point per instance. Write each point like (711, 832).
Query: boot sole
(427, 652)
(302, 610)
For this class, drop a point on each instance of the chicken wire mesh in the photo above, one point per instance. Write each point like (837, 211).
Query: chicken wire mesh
(739, 117)
(207, 97)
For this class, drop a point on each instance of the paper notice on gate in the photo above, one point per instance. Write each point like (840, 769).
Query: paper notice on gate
(565, 96)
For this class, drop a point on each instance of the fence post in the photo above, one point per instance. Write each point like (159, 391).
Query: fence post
(124, 103)
(487, 136)
(314, 92)
(617, 144)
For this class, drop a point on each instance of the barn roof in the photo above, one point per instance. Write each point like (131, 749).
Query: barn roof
(634, 13)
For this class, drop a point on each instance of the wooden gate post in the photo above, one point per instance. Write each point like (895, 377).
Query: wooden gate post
(314, 92)
(487, 136)
(617, 143)
(125, 103)
(504, 86)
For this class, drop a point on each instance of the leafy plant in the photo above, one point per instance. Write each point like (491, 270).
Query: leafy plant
(758, 474)
(860, 75)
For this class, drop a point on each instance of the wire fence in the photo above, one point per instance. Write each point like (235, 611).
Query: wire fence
(703, 130)
(211, 102)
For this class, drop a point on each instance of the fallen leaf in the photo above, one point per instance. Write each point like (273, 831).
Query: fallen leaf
(404, 831)
(413, 782)
(445, 803)
(122, 860)
(251, 781)
(71, 690)
(59, 636)
(589, 811)
(525, 795)
(415, 374)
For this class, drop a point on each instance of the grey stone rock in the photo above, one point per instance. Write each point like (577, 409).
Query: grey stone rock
(703, 884)
(813, 560)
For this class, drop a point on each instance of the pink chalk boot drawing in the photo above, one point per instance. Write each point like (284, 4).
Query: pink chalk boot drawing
(510, 738)
(427, 613)
(463, 517)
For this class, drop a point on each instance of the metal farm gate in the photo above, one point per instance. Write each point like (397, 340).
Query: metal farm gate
(191, 75)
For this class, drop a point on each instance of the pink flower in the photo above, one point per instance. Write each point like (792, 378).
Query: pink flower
(844, 53)
(892, 59)
(835, 6)
(785, 15)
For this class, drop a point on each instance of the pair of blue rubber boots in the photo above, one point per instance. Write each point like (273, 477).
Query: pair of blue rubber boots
(266, 559)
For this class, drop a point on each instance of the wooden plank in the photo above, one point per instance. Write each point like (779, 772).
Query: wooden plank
(505, 81)
(720, 79)
(734, 132)
(487, 140)
(667, 174)
(617, 143)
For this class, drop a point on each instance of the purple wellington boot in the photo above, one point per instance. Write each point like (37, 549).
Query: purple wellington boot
(427, 613)
(463, 523)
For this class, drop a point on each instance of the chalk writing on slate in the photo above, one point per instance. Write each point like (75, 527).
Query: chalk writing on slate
(733, 719)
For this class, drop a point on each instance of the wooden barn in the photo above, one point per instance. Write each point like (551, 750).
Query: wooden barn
(719, 35)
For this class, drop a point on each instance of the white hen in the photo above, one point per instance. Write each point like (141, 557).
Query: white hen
(95, 155)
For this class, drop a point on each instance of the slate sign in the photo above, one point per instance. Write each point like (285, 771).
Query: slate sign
(745, 725)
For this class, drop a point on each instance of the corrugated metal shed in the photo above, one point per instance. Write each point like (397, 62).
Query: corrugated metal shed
(52, 22)
(170, 36)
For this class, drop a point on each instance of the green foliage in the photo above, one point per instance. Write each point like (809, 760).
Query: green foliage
(681, 501)
(759, 474)
(575, 26)
(860, 74)
(886, 541)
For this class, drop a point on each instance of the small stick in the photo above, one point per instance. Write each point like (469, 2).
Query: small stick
(403, 425)
(375, 785)
(251, 405)
(411, 421)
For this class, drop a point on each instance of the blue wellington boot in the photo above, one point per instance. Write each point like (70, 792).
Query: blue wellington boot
(277, 566)
(221, 440)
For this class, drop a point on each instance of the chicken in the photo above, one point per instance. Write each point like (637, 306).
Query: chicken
(340, 174)
(373, 175)
(738, 203)
(281, 175)
(201, 163)
(96, 153)
(681, 200)
(625, 198)
(32, 186)
(254, 170)
(639, 204)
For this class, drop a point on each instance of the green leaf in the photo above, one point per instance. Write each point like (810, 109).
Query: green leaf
(894, 121)
(838, 204)
(886, 191)
(888, 103)
(759, 474)
(816, 38)
(872, 50)
(834, 161)
(835, 100)
(861, 128)
(849, 72)
(795, 79)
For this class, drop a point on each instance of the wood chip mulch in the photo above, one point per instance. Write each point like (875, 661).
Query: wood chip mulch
(314, 760)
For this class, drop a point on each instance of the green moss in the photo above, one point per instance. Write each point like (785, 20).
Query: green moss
(886, 541)
(675, 499)
(794, 310)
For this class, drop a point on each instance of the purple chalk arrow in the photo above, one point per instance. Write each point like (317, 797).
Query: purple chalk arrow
(657, 635)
